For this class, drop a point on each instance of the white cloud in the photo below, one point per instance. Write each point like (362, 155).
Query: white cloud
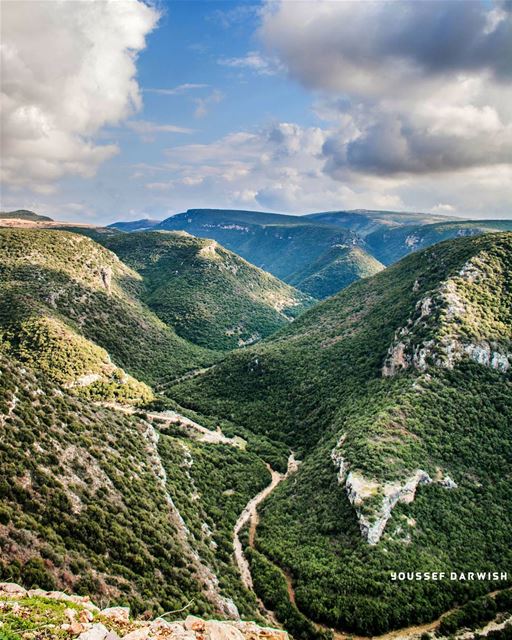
(253, 61)
(179, 90)
(282, 167)
(148, 130)
(68, 70)
(203, 104)
(416, 88)
(443, 207)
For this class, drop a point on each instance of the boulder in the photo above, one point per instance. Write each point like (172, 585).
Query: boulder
(192, 623)
(216, 630)
(117, 614)
(12, 589)
(138, 634)
(95, 632)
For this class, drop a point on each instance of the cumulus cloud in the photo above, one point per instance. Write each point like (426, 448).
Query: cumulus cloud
(68, 70)
(367, 48)
(416, 88)
(278, 167)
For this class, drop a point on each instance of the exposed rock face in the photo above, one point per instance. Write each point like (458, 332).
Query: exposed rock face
(87, 622)
(360, 489)
(449, 309)
(374, 501)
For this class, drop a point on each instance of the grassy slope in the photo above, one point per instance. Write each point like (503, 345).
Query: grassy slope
(61, 288)
(322, 377)
(84, 507)
(208, 294)
(389, 245)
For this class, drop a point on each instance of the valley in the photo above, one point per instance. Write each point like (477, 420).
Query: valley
(163, 388)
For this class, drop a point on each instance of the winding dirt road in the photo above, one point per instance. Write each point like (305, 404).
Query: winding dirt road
(250, 515)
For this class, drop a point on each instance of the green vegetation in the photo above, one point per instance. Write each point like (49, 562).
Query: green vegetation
(209, 295)
(24, 214)
(477, 613)
(283, 245)
(406, 370)
(335, 269)
(389, 245)
(85, 508)
(321, 377)
(270, 583)
(69, 305)
(34, 615)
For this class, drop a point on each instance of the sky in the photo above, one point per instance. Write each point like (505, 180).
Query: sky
(124, 109)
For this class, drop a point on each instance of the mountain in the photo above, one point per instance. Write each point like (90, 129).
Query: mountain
(134, 225)
(277, 243)
(389, 245)
(321, 253)
(335, 269)
(71, 308)
(208, 294)
(365, 221)
(396, 395)
(24, 214)
(286, 246)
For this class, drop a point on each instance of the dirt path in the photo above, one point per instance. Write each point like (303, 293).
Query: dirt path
(250, 515)
(172, 417)
(186, 376)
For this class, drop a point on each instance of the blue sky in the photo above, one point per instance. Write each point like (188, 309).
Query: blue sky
(285, 105)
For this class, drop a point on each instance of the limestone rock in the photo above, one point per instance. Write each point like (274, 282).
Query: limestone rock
(12, 589)
(96, 632)
(117, 614)
(222, 631)
(359, 489)
(138, 634)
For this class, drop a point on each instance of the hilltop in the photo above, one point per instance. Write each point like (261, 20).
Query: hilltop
(335, 269)
(208, 294)
(386, 391)
(24, 214)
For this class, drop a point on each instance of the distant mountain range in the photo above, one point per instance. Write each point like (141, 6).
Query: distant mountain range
(320, 253)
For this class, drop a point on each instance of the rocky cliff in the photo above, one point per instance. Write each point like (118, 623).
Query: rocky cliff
(42, 615)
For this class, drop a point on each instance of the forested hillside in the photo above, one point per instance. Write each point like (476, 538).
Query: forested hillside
(321, 253)
(72, 309)
(96, 501)
(389, 245)
(208, 294)
(397, 395)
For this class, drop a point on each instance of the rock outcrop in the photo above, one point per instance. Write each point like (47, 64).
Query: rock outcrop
(83, 620)
(359, 489)
(373, 501)
(454, 313)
